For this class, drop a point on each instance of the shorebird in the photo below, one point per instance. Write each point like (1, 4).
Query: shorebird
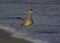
(27, 21)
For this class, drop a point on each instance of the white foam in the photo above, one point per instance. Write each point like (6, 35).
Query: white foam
(26, 37)
(7, 28)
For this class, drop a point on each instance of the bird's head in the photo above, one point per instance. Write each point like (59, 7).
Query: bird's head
(30, 9)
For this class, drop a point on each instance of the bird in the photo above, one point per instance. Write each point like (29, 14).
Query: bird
(27, 21)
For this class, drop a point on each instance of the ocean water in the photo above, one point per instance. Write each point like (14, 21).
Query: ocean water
(46, 21)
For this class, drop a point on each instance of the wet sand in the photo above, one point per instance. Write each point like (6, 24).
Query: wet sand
(5, 38)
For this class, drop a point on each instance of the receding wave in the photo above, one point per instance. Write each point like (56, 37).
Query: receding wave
(18, 34)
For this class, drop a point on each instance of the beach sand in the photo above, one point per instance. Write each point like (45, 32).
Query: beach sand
(5, 38)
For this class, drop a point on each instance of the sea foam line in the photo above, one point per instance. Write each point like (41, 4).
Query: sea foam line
(22, 35)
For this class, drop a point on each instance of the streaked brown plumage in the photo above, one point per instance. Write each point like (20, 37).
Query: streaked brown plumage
(28, 20)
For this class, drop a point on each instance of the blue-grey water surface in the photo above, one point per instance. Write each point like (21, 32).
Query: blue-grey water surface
(46, 20)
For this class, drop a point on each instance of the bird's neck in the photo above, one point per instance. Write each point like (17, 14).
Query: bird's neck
(29, 13)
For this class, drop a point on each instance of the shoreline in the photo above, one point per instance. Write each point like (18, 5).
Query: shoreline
(5, 38)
